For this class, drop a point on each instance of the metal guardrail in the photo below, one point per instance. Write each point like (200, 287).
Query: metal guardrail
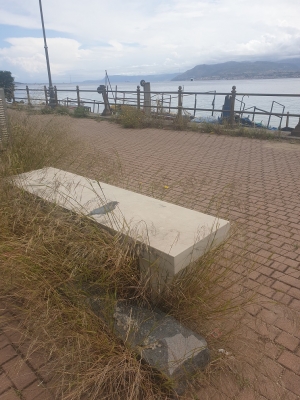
(161, 102)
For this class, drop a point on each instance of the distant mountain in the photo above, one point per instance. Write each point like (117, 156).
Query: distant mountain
(289, 68)
(135, 78)
(292, 61)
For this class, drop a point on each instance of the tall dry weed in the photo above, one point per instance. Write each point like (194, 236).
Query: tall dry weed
(51, 262)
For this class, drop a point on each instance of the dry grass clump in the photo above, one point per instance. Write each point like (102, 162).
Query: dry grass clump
(131, 117)
(34, 145)
(134, 118)
(52, 261)
(236, 130)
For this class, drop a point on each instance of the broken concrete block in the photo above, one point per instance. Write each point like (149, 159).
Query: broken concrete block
(161, 340)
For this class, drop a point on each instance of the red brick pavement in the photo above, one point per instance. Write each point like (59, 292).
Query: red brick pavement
(250, 181)
(20, 378)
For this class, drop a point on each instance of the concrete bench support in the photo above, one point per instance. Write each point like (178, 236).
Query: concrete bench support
(171, 237)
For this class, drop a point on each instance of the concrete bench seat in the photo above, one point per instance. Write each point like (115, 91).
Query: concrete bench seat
(173, 236)
(170, 237)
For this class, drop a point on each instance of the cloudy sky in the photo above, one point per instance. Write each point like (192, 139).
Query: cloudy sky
(142, 36)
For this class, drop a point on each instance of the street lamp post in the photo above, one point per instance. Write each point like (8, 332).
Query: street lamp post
(51, 91)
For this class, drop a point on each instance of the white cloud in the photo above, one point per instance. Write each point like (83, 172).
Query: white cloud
(168, 35)
(27, 53)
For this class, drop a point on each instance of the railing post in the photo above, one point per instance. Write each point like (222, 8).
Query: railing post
(279, 128)
(28, 96)
(46, 97)
(195, 105)
(254, 109)
(179, 102)
(287, 119)
(213, 105)
(78, 96)
(147, 97)
(138, 96)
(269, 119)
(55, 95)
(233, 95)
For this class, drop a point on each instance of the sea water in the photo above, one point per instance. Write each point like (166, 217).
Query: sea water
(253, 86)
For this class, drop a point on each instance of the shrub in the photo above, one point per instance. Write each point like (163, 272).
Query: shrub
(180, 123)
(61, 110)
(80, 112)
(47, 110)
(131, 117)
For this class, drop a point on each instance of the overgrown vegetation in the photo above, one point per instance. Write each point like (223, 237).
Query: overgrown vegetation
(236, 130)
(131, 117)
(77, 112)
(60, 110)
(51, 260)
(80, 112)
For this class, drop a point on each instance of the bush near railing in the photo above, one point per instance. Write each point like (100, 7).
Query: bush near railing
(80, 112)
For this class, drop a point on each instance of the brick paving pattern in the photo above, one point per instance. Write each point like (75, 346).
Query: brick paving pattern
(258, 185)
(19, 377)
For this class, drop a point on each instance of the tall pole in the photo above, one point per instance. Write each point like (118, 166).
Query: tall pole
(51, 91)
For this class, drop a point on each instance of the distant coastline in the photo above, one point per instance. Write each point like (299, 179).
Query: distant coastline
(246, 77)
(243, 70)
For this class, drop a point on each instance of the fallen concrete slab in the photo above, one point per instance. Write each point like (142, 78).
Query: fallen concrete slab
(171, 236)
(160, 340)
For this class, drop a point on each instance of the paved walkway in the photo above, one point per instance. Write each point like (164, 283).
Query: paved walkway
(255, 183)
(20, 378)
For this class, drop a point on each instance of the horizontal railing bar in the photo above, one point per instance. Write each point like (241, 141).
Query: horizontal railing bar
(172, 92)
(187, 108)
(218, 110)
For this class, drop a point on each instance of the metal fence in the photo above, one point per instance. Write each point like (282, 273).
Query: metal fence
(167, 103)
